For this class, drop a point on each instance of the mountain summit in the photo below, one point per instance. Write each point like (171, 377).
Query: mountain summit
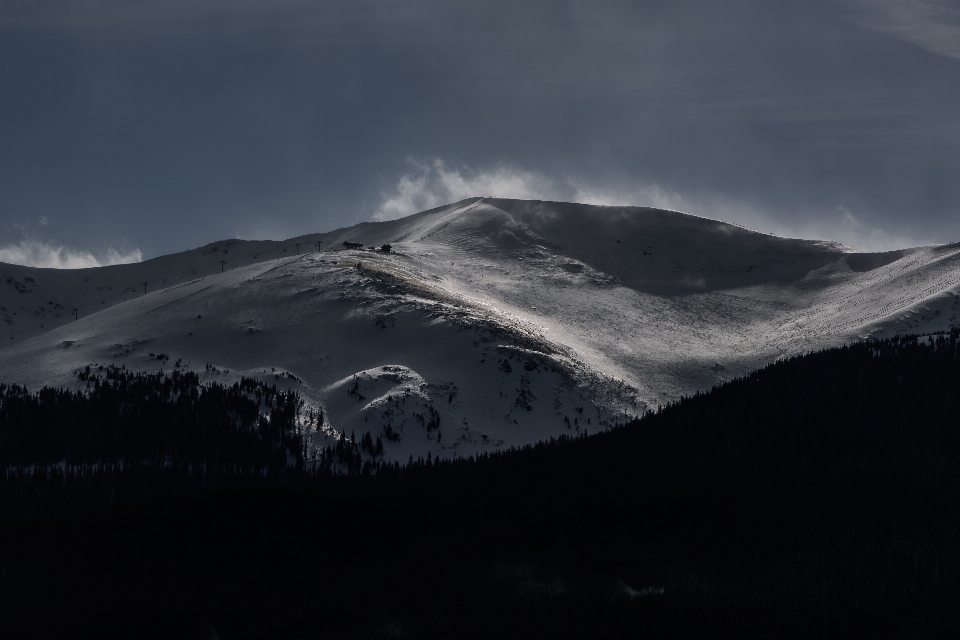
(488, 323)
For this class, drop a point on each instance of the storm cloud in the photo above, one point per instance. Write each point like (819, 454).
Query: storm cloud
(163, 126)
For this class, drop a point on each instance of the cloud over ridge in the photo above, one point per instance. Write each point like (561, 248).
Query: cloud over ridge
(436, 182)
(433, 183)
(52, 255)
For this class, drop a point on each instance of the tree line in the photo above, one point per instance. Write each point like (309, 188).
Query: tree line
(816, 497)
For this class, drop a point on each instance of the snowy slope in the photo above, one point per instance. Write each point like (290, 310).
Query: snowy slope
(492, 323)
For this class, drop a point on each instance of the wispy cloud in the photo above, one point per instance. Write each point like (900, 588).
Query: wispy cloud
(650, 195)
(846, 227)
(34, 253)
(840, 225)
(433, 183)
(930, 24)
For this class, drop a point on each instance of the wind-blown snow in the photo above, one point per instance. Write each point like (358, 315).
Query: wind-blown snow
(492, 323)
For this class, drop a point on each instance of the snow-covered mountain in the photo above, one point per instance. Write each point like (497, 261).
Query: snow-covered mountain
(491, 322)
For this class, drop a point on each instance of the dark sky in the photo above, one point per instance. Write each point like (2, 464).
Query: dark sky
(130, 128)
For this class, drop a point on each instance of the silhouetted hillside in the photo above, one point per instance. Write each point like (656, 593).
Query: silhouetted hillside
(817, 497)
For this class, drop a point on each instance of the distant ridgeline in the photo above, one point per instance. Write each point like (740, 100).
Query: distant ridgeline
(816, 497)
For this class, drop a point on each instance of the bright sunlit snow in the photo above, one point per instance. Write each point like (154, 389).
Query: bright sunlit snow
(491, 322)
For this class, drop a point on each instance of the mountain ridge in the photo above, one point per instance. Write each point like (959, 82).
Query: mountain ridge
(505, 321)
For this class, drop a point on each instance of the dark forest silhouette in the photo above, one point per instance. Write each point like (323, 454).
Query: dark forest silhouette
(816, 497)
